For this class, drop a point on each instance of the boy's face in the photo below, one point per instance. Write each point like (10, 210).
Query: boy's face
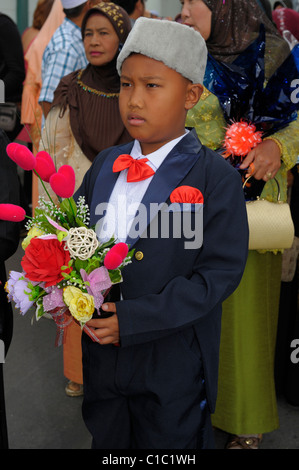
(153, 101)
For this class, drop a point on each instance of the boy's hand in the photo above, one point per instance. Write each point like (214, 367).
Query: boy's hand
(106, 329)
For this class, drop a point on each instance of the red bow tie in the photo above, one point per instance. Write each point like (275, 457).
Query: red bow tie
(138, 169)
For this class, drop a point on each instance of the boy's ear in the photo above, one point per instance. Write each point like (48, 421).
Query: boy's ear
(194, 91)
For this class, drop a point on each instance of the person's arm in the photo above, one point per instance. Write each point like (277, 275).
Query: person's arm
(13, 59)
(289, 142)
(282, 146)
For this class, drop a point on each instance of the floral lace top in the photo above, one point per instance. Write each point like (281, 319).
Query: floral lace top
(207, 118)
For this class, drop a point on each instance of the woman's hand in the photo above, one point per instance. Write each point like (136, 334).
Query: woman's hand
(263, 161)
(106, 329)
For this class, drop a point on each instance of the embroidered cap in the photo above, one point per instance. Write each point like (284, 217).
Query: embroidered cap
(117, 16)
(178, 46)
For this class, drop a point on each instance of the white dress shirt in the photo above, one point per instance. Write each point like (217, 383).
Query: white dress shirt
(126, 197)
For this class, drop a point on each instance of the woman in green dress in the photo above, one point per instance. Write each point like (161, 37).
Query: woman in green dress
(246, 405)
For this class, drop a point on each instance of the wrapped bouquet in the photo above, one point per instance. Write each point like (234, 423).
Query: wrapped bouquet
(66, 271)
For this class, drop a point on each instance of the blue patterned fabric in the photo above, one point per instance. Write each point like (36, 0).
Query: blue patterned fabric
(64, 54)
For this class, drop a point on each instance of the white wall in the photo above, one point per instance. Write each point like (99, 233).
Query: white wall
(164, 7)
(9, 7)
(31, 4)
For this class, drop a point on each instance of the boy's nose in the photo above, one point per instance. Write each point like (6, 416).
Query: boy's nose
(135, 100)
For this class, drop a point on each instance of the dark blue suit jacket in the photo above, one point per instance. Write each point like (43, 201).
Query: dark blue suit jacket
(174, 288)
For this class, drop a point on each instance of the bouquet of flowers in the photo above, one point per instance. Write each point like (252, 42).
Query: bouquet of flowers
(66, 271)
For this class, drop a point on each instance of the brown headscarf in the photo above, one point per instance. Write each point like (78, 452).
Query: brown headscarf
(236, 24)
(92, 94)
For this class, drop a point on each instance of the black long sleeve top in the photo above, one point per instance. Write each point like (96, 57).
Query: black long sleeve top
(12, 69)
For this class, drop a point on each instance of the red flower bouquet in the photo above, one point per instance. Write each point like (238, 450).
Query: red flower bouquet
(43, 260)
(67, 271)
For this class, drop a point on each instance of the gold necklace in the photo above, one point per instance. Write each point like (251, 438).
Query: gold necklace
(93, 90)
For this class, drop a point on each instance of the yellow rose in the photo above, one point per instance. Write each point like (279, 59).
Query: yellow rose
(33, 233)
(80, 305)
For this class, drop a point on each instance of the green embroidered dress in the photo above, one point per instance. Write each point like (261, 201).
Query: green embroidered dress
(246, 402)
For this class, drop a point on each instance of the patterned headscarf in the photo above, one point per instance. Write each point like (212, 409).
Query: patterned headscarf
(236, 24)
(115, 14)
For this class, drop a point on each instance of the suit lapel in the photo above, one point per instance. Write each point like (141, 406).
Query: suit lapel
(173, 170)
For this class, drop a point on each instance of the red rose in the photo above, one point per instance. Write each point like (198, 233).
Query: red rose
(43, 260)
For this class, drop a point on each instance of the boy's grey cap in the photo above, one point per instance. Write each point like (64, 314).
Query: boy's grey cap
(178, 46)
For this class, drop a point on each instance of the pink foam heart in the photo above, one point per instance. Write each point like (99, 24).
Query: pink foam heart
(12, 212)
(63, 182)
(44, 167)
(21, 155)
(121, 249)
(112, 260)
(10, 149)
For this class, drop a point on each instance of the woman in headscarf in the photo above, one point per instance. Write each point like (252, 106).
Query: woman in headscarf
(246, 404)
(84, 119)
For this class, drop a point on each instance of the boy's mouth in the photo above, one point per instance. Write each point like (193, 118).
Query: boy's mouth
(135, 120)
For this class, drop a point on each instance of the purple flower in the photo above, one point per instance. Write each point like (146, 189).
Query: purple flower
(99, 281)
(19, 291)
(53, 299)
(13, 277)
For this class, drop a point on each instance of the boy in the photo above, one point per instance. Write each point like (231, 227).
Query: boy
(158, 387)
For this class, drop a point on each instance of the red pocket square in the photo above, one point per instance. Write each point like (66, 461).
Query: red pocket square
(187, 194)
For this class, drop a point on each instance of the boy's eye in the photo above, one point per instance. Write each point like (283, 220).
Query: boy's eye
(152, 85)
(124, 84)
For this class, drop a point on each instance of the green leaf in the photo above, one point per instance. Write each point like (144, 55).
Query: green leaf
(68, 206)
(39, 309)
(65, 276)
(115, 276)
(80, 264)
(80, 223)
(107, 244)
